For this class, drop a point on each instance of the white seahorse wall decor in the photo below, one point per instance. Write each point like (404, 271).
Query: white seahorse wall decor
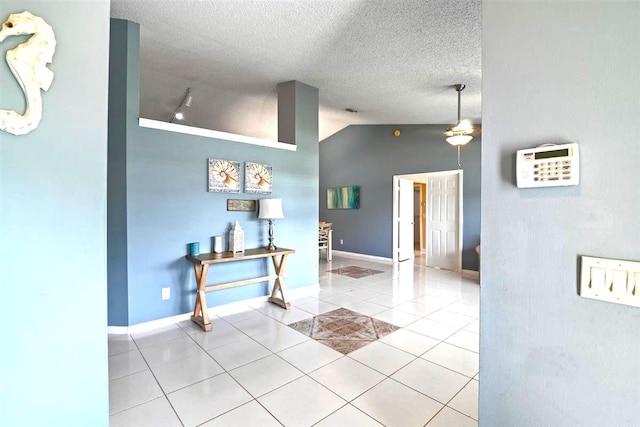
(28, 63)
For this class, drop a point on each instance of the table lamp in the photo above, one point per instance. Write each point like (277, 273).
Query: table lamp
(270, 209)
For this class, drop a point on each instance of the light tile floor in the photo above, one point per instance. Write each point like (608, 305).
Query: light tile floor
(253, 370)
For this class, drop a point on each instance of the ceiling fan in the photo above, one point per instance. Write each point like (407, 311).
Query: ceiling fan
(463, 131)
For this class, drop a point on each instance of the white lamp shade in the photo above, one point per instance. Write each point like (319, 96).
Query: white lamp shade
(270, 209)
(459, 139)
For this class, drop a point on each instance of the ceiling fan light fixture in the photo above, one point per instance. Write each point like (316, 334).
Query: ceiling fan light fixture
(459, 139)
(463, 126)
(460, 133)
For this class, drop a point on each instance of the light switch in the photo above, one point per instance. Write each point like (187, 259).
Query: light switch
(611, 280)
(619, 284)
(598, 276)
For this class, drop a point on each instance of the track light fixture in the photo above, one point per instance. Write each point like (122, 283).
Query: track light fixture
(186, 103)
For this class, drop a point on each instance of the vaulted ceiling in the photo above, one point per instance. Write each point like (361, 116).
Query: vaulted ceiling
(394, 61)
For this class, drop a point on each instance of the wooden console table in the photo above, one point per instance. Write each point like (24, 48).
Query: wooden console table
(201, 265)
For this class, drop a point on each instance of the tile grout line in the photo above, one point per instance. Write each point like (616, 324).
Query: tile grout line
(164, 395)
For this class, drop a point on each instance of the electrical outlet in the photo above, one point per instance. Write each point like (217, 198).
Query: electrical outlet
(341, 242)
(166, 294)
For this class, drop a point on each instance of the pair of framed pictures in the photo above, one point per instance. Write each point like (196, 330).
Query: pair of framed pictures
(224, 177)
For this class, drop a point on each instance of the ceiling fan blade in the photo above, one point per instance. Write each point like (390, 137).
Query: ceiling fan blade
(469, 130)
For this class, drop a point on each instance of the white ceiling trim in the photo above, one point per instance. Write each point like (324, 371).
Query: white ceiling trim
(214, 134)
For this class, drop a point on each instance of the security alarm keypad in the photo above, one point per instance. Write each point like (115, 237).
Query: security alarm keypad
(548, 166)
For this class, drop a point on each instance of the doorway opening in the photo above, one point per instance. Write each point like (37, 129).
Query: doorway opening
(434, 228)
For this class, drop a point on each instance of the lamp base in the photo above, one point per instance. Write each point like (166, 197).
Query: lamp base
(271, 246)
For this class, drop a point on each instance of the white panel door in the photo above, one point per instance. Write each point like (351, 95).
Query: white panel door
(443, 249)
(405, 219)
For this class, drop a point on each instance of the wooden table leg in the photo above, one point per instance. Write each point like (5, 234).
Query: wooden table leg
(278, 285)
(200, 310)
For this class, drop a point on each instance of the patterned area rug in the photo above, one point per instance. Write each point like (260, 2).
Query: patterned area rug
(355, 272)
(344, 330)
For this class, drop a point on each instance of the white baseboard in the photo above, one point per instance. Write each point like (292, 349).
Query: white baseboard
(165, 321)
(146, 326)
(117, 330)
(363, 256)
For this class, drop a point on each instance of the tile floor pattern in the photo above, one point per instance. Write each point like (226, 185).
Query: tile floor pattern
(253, 370)
(355, 271)
(344, 330)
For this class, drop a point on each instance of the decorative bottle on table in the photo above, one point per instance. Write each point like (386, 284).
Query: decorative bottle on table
(217, 244)
(236, 239)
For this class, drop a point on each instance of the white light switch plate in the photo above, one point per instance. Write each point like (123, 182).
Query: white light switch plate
(611, 280)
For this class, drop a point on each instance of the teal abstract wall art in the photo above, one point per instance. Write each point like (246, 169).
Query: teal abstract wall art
(343, 198)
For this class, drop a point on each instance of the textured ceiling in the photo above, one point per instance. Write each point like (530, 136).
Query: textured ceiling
(394, 61)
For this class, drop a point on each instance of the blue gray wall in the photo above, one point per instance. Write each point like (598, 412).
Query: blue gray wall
(123, 67)
(369, 156)
(558, 72)
(168, 206)
(53, 300)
